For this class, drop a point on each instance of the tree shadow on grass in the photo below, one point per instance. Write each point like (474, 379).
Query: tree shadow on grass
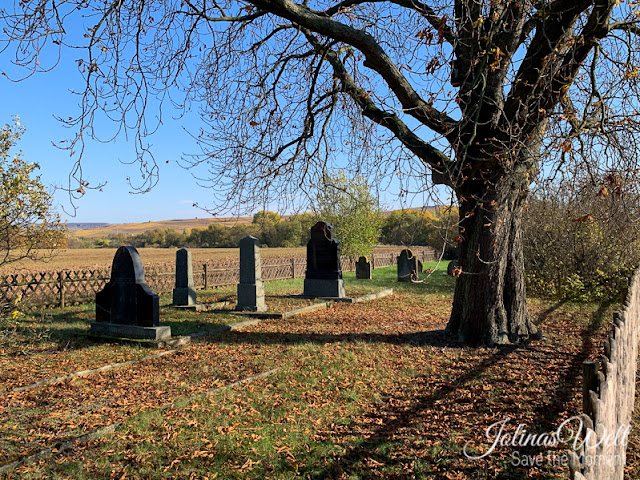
(435, 338)
(543, 316)
(389, 432)
(384, 428)
(571, 384)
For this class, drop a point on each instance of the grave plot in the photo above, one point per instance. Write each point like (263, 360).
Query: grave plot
(41, 418)
(40, 346)
(368, 389)
(96, 399)
(372, 389)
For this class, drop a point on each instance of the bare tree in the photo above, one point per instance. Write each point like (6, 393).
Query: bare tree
(472, 92)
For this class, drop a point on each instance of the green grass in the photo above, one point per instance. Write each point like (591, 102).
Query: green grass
(360, 392)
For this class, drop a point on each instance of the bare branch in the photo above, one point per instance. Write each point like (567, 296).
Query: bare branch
(375, 58)
(436, 21)
(432, 156)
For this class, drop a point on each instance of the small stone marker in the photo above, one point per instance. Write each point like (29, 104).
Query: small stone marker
(324, 272)
(408, 266)
(184, 294)
(250, 288)
(363, 269)
(451, 267)
(126, 307)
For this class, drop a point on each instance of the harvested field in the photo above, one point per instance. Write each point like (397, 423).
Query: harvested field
(73, 259)
(81, 258)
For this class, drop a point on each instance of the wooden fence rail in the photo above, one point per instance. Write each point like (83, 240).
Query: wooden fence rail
(70, 287)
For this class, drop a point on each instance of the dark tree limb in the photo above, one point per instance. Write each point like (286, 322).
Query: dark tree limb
(375, 59)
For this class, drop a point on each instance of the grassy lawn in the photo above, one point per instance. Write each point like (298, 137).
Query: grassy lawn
(368, 390)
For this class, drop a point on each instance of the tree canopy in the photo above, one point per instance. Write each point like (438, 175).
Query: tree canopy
(484, 96)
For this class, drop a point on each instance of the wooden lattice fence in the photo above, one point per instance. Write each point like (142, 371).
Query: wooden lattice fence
(67, 287)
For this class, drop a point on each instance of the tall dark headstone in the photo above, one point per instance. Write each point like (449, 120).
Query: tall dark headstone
(127, 307)
(363, 269)
(184, 294)
(324, 272)
(250, 288)
(408, 266)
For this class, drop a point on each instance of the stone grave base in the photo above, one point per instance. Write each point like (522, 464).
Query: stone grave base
(314, 287)
(196, 307)
(184, 296)
(251, 297)
(130, 331)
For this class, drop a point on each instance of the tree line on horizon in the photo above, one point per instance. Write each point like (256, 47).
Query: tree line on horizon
(433, 227)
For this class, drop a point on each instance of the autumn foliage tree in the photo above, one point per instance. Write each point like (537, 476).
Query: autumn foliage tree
(481, 96)
(29, 227)
(583, 242)
(350, 207)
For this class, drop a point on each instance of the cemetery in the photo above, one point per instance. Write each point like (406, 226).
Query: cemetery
(318, 375)
(491, 145)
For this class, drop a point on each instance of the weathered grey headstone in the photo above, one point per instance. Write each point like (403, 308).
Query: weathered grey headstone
(324, 272)
(408, 266)
(184, 294)
(250, 288)
(127, 307)
(363, 268)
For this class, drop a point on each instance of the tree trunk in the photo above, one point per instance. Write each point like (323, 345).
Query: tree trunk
(489, 305)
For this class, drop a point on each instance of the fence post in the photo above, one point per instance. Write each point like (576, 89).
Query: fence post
(293, 267)
(589, 383)
(206, 280)
(61, 288)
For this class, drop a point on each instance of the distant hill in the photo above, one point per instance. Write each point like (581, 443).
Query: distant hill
(84, 226)
(101, 230)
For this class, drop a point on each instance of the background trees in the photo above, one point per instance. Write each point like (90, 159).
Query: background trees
(470, 93)
(351, 208)
(29, 227)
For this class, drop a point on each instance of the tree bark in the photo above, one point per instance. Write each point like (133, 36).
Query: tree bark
(489, 305)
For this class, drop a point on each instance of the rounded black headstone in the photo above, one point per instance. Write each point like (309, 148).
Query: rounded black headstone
(127, 266)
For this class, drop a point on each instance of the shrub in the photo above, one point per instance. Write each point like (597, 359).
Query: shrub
(582, 244)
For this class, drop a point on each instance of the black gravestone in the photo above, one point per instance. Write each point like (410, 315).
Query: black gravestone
(324, 273)
(453, 264)
(127, 307)
(408, 266)
(363, 269)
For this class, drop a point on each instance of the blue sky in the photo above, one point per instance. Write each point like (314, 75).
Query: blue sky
(37, 99)
(41, 97)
